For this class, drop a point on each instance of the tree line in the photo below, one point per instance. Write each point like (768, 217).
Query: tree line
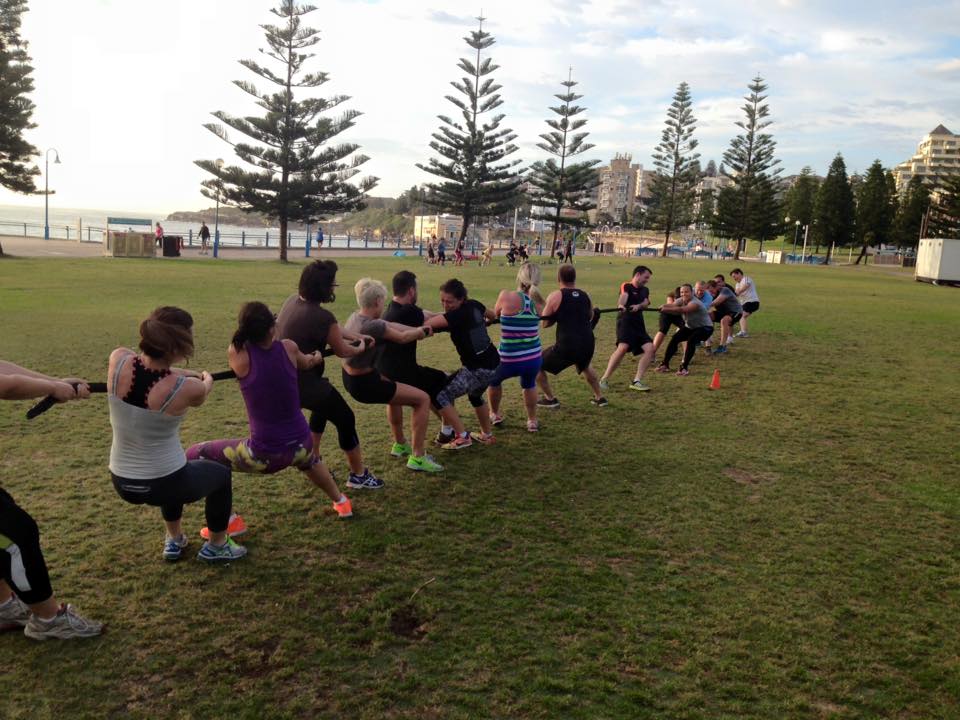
(292, 167)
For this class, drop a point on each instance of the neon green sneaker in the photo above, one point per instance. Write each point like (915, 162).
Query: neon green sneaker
(400, 450)
(424, 464)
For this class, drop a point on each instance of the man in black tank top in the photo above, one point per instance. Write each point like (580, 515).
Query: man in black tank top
(571, 310)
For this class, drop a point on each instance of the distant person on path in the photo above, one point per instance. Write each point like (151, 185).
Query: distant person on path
(159, 235)
(204, 239)
(431, 257)
(487, 255)
(697, 328)
(571, 310)
(319, 236)
(631, 331)
(442, 252)
(749, 300)
(458, 253)
(26, 596)
(312, 328)
(266, 369)
(148, 399)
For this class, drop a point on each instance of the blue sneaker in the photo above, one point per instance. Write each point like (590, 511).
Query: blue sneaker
(720, 350)
(227, 552)
(367, 481)
(173, 547)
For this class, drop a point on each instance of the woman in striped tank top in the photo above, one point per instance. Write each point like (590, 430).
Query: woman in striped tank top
(520, 351)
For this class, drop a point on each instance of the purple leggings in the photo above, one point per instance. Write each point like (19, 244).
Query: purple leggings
(241, 455)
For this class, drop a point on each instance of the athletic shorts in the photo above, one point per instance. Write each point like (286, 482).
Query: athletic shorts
(668, 319)
(469, 382)
(751, 307)
(526, 370)
(633, 338)
(428, 379)
(371, 389)
(243, 456)
(557, 359)
(721, 314)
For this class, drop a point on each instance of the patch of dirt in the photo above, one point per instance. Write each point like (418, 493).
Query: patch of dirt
(746, 477)
(406, 621)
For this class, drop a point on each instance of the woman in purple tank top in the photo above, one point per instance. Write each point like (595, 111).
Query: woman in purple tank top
(279, 434)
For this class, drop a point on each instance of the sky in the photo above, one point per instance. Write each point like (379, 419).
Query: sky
(123, 87)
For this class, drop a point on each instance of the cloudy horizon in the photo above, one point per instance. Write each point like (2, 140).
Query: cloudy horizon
(123, 87)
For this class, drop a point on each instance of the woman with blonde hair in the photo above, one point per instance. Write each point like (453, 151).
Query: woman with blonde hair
(365, 384)
(521, 354)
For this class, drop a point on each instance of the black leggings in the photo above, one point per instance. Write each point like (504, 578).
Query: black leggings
(21, 561)
(692, 336)
(197, 479)
(335, 409)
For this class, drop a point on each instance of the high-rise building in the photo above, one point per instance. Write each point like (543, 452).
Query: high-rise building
(619, 184)
(938, 155)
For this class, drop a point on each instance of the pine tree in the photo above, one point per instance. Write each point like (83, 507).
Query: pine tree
(16, 170)
(766, 216)
(476, 177)
(708, 206)
(910, 212)
(801, 197)
(300, 176)
(874, 218)
(945, 208)
(750, 159)
(711, 170)
(678, 166)
(834, 210)
(557, 185)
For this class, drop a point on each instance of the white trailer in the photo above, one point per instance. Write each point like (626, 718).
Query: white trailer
(938, 261)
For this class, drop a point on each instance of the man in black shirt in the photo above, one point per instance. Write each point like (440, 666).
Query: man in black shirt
(631, 332)
(399, 363)
(466, 319)
(572, 312)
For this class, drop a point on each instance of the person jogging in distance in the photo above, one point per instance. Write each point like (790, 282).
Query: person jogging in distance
(631, 332)
(746, 292)
(26, 595)
(571, 310)
(204, 239)
(697, 327)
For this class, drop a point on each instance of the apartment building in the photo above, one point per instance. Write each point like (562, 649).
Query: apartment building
(938, 154)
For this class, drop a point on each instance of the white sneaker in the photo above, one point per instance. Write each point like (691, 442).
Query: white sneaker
(65, 625)
(13, 613)
(742, 334)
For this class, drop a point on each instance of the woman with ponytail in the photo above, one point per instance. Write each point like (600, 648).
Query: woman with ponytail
(148, 400)
(521, 354)
(279, 435)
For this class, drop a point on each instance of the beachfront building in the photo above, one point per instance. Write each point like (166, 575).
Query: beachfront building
(618, 187)
(938, 155)
(438, 226)
(711, 184)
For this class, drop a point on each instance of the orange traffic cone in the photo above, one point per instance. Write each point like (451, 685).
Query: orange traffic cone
(715, 383)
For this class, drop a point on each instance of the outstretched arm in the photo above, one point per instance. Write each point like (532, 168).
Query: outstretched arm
(10, 370)
(403, 334)
(551, 307)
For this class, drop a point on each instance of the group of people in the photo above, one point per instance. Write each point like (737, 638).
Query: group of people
(437, 251)
(279, 364)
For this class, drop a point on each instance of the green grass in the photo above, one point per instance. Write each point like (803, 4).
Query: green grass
(783, 548)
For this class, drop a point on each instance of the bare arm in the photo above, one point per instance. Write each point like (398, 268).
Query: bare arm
(9, 368)
(340, 342)
(551, 306)
(403, 334)
(24, 387)
(299, 360)
(437, 321)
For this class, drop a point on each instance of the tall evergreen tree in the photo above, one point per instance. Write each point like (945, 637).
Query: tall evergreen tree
(300, 176)
(766, 216)
(477, 179)
(910, 212)
(17, 172)
(678, 166)
(945, 208)
(558, 185)
(749, 160)
(834, 212)
(708, 205)
(801, 197)
(875, 210)
(711, 170)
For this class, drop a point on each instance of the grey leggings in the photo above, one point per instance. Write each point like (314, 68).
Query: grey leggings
(467, 382)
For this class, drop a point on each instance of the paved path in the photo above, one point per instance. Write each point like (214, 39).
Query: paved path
(38, 247)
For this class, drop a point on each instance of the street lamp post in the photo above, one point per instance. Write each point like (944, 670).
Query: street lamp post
(216, 218)
(46, 191)
(796, 233)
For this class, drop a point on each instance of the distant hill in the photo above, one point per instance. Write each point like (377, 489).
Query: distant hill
(234, 216)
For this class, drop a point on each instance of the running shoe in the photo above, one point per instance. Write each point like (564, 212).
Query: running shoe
(400, 450)
(661, 368)
(343, 507)
(443, 438)
(227, 552)
(533, 426)
(604, 385)
(548, 402)
(496, 419)
(173, 547)
(742, 334)
(721, 350)
(366, 481)
(459, 443)
(424, 464)
(683, 372)
(708, 350)
(235, 528)
(599, 402)
(639, 386)
(13, 613)
(65, 625)
(485, 438)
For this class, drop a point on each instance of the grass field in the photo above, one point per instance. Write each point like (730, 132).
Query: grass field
(783, 548)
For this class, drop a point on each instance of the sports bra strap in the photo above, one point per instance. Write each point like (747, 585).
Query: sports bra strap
(117, 369)
(176, 388)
